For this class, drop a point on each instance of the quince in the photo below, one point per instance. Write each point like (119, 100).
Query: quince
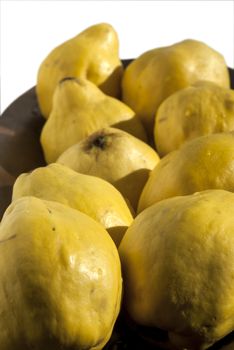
(158, 73)
(116, 156)
(60, 278)
(178, 268)
(201, 109)
(79, 109)
(92, 54)
(206, 162)
(88, 194)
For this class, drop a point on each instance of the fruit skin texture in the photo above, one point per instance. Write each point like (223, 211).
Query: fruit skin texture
(202, 109)
(88, 194)
(178, 268)
(206, 162)
(60, 280)
(115, 156)
(79, 109)
(158, 73)
(93, 54)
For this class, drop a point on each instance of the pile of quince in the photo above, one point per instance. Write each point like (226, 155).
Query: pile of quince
(135, 208)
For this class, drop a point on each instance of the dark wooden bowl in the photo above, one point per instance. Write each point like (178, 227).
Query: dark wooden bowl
(20, 151)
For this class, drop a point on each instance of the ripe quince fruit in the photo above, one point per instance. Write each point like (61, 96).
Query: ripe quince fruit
(158, 73)
(79, 109)
(88, 194)
(60, 278)
(116, 156)
(203, 163)
(92, 54)
(201, 109)
(178, 268)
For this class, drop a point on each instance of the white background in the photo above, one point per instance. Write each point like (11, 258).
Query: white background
(31, 29)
